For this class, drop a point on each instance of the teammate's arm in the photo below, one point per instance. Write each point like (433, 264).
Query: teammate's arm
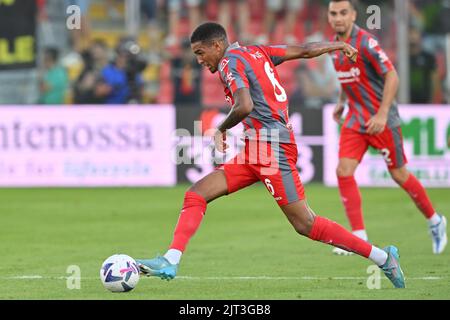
(372, 52)
(314, 49)
(243, 106)
(377, 123)
(339, 109)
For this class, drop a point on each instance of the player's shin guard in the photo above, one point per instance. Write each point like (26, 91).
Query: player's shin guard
(351, 198)
(194, 208)
(330, 232)
(418, 194)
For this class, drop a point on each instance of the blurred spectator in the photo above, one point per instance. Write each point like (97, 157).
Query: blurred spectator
(186, 77)
(112, 11)
(424, 78)
(243, 17)
(18, 55)
(149, 9)
(174, 8)
(415, 16)
(317, 84)
(122, 80)
(291, 10)
(53, 32)
(80, 37)
(297, 98)
(52, 22)
(54, 82)
(387, 33)
(432, 15)
(95, 59)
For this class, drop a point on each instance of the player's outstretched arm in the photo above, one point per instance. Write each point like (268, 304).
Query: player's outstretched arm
(314, 49)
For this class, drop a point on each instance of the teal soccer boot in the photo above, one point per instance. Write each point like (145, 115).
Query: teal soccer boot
(158, 267)
(392, 269)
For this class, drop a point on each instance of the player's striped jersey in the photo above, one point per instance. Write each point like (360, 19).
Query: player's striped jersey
(253, 67)
(363, 81)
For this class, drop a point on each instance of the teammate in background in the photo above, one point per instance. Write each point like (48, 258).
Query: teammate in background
(253, 88)
(370, 86)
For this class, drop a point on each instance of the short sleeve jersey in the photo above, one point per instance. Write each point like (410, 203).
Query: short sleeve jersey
(253, 67)
(363, 81)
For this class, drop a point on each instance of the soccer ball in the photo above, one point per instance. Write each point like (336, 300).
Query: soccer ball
(119, 273)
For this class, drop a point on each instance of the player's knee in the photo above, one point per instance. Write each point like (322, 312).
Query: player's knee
(399, 175)
(346, 167)
(344, 171)
(303, 229)
(194, 188)
(201, 191)
(304, 226)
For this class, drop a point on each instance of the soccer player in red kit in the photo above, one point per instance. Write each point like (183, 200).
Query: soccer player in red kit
(259, 101)
(370, 86)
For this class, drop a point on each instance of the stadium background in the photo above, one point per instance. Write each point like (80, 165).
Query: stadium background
(73, 135)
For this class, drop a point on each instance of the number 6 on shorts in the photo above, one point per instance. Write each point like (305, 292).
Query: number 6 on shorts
(269, 186)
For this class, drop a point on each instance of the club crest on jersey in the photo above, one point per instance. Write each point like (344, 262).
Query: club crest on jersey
(223, 64)
(256, 55)
(372, 43)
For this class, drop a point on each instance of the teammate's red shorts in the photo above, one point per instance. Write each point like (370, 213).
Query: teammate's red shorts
(389, 143)
(273, 164)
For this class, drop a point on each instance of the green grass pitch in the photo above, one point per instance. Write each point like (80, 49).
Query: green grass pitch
(245, 248)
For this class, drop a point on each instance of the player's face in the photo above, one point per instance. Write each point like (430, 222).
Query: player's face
(208, 54)
(341, 16)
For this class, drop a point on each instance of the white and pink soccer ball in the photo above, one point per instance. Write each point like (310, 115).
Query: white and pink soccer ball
(119, 273)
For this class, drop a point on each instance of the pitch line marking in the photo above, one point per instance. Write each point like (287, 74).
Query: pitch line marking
(39, 277)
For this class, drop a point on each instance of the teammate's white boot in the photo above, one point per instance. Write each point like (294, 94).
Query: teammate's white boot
(439, 235)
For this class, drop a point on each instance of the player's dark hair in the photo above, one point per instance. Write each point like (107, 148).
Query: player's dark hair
(352, 2)
(209, 31)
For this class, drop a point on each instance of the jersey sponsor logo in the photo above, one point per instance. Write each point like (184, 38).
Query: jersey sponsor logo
(349, 76)
(223, 64)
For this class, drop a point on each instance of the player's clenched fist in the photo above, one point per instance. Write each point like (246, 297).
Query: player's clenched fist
(219, 141)
(350, 52)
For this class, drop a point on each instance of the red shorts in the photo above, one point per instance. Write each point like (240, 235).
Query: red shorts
(389, 143)
(273, 164)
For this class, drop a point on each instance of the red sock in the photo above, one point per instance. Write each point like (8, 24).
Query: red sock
(330, 232)
(419, 195)
(351, 198)
(194, 208)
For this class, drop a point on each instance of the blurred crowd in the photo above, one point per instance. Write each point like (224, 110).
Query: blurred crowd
(102, 64)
